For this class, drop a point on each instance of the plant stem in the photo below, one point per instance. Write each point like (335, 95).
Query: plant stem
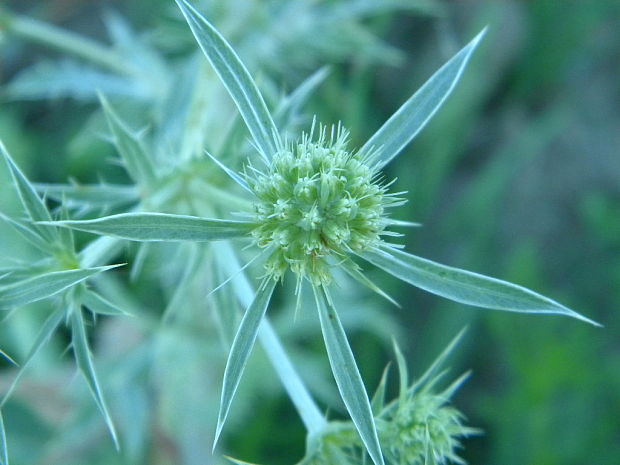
(310, 414)
(65, 41)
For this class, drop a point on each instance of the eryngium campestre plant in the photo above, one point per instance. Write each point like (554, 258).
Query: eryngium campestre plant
(337, 203)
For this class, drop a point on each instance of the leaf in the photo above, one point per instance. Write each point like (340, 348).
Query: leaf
(99, 304)
(161, 227)
(4, 454)
(236, 79)
(32, 204)
(44, 285)
(465, 286)
(241, 348)
(130, 147)
(347, 375)
(86, 367)
(44, 335)
(416, 112)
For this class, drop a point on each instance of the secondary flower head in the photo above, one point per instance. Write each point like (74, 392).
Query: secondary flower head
(317, 202)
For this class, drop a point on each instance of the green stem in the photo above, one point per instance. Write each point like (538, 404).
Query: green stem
(65, 41)
(310, 414)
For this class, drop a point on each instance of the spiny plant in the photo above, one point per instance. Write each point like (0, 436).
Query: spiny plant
(317, 205)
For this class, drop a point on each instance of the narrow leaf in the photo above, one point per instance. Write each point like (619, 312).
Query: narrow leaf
(99, 304)
(44, 285)
(31, 202)
(161, 227)
(465, 286)
(236, 79)
(85, 365)
(416, 112)
(241, 348)
(347, 375)
(44, 335)
(130, 147)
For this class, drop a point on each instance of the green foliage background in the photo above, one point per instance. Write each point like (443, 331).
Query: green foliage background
(518, 177)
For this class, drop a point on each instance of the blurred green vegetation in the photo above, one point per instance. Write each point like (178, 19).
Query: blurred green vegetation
(518, 176)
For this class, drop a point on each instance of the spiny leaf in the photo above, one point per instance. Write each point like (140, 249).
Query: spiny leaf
(44, 285)
(241, 348)
(32, 204)
(161, 227)
(465, 286)
(99, 304)
(86, 367)
(416, 112)
(44, 335)
(236, 79)
(347, 375)
(130, 147)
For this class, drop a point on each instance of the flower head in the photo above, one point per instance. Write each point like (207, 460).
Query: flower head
(316, 201)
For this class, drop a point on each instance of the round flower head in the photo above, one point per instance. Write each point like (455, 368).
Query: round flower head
(317, 201)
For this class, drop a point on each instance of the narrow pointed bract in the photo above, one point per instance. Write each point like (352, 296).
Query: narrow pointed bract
(416, 112)
(161, 227)
(44, 285)
(464, 286)
(45, 333)
(85, 364)
(130, 147)
(236, 79)
(347, 375)
(30, 200)
(241, 349)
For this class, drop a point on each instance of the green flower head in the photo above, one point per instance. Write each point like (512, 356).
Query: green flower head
(317, 202)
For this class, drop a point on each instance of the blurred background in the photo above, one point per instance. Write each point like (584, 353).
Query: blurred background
(517, 177)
